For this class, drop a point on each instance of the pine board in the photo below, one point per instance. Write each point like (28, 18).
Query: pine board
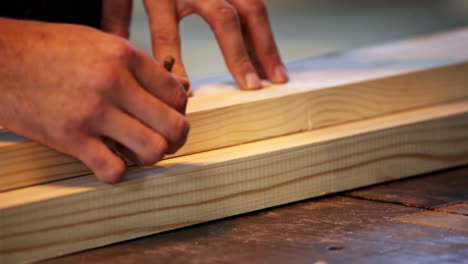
(324, 91)
(67, 216)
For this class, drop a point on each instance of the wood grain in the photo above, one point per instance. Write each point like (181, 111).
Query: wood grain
(75, 214)
(323, 91)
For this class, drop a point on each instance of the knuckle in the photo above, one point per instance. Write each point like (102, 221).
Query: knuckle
(156, 148)
(184, 81)
(180, 130)
(178, 98)
(121, 50)
(104, 74)
(224, 11)
(241, 61)
(68, 128)
(106, 77)
(272, 53)
(114, 173)
(255, 8)
(82, 119)
(107, 170)
(99, 163)
(165, 37)
(181, 100)
(93, 108)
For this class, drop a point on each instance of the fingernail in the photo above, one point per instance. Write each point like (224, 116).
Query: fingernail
(252, 81)
(280, 75)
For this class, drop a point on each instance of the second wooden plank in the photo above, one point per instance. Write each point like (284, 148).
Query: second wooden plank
(66, 216)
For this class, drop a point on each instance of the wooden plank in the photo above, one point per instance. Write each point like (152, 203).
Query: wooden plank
(305, 232)
(437, 219)
(325, 91)
(66, 216)
(8, 139)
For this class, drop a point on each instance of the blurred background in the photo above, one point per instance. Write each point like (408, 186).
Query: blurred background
(306, 28)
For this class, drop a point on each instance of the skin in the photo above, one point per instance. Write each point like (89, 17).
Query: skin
(69, 86)
(93, 95)
(241, 27)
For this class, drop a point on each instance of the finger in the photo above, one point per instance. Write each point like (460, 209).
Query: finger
(257, 27)
(169, 65)
(120, 150)
(116, 16)
(152, 76)
(107, 166)
(148, 146)
(165, 36)
(224, 21)
(156, 115)
(184, 81)
(253, 56)
(190, 92)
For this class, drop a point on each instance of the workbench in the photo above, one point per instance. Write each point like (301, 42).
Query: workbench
(361, 226)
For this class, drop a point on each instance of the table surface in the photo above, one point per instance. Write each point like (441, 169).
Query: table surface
(418, 220)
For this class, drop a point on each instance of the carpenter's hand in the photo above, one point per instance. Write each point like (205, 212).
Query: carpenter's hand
(70, 86)
(241, 28)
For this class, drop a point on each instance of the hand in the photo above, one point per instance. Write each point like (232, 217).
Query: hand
(241, 27)
(70, 86)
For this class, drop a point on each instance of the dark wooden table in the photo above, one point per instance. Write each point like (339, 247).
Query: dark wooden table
(418, 220)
